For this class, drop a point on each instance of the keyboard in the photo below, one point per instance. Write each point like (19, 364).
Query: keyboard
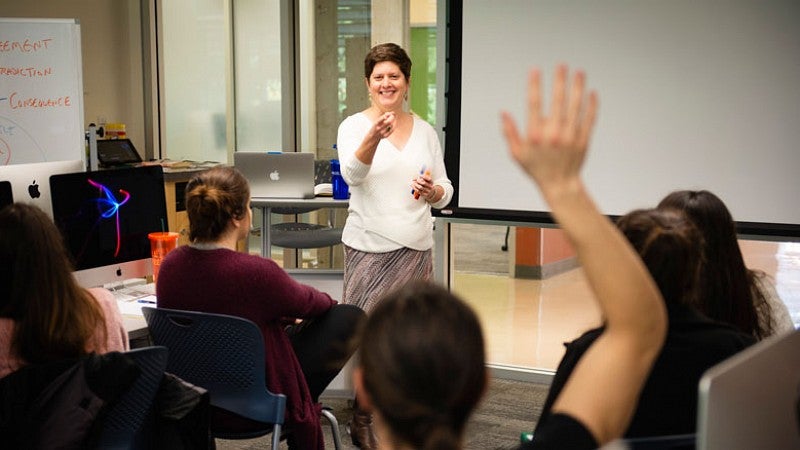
(144, 292)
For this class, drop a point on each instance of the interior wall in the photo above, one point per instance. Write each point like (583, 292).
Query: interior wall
(111, 48)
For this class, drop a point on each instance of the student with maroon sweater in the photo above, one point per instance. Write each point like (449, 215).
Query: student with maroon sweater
(209, 275)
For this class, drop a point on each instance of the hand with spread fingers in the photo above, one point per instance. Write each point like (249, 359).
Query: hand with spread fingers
(553, 148)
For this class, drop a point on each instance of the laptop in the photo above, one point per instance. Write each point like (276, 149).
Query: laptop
(277, 175)
(752, 400)
(30, 183)
(117, 152)
(6, 197)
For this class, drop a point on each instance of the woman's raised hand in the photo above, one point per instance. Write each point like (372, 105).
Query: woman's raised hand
(553, 148)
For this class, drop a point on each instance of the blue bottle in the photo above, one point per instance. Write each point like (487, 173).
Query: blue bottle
(340, 189)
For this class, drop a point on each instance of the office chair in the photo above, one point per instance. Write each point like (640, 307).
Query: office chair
(225, 355)
(125, 424)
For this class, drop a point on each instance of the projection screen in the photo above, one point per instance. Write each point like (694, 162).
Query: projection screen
(693, 95)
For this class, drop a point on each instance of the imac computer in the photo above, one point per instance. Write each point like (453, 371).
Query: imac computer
(29, 181)
(105, 217)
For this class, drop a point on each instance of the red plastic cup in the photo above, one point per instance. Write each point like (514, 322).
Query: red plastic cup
(161, 243)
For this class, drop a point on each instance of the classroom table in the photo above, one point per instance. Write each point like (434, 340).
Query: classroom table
(266, 204)
(130, 300)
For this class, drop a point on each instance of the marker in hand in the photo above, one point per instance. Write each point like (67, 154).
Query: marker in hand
(421, 171)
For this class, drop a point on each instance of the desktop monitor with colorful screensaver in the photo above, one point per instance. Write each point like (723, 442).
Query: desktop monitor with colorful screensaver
(105, 217)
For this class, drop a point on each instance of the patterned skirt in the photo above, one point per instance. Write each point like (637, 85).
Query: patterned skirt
(368, 276)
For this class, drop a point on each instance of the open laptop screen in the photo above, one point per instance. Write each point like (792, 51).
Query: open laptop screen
(277, 175)
(117, 152)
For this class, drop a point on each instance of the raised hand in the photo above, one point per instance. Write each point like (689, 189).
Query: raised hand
(553, 147)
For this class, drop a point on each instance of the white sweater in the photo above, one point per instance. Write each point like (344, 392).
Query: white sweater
(383, 214)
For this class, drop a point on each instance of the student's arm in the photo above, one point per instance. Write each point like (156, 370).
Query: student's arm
(603, 390)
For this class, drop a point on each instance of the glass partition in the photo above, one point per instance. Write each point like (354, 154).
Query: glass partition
(257, 75)
(194, 78)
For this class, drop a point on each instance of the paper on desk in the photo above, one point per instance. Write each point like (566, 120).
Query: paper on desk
(323, 189)
(134, 307)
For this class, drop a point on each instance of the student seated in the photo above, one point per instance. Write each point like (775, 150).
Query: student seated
(45, 316)
(730, 292)
(671, 247)
(421, 367)
(209, 275)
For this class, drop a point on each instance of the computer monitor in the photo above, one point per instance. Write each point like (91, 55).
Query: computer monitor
(752, 399)
(29, 182)
(105, 217)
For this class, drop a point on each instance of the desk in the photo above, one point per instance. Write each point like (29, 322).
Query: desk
(130, 299)
(267, 203)
(136, 327)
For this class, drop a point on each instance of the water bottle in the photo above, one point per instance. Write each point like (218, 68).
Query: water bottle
(340, 189)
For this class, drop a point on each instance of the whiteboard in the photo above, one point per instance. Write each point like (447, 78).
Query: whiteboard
(41, 91)
(693, 95)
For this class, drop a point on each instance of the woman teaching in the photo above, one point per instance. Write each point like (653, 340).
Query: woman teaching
(394, 165)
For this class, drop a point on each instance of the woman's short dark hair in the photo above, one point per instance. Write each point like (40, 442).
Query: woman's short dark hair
(423, 360)
(387, 52)
(213, 198)
(671, 247)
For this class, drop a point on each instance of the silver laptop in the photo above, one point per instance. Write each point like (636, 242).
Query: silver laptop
(752, 400)
(30, 183)
(277, 175)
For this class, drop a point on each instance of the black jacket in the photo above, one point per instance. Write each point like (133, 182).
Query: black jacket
(668, 402)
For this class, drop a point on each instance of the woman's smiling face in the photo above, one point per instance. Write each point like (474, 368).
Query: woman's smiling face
(387, 86)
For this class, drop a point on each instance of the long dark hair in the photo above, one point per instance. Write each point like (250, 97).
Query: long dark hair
(54, 317)
(730, 291)
(671, 248)
(213, 198)
(423, 360)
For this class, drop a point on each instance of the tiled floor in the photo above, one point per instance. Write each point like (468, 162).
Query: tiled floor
(526, 321)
